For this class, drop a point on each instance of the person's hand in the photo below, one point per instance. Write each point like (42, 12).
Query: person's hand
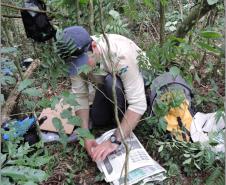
(90, 144)
(101, 151)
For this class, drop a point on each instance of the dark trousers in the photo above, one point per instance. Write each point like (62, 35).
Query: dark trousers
(102, 110)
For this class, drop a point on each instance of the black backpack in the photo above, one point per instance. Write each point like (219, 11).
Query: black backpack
(36, 24)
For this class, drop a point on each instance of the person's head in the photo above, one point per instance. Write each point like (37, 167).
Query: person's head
(86, 48)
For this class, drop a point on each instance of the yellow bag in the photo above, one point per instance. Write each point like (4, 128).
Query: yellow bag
(179, 121)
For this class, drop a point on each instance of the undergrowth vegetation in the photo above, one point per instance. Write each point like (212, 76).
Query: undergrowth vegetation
(198, 57)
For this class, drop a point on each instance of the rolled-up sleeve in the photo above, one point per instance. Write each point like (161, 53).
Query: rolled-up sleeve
(80, 89)
(133, 85)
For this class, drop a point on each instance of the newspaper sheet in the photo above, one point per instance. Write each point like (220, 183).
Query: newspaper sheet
(140, 165)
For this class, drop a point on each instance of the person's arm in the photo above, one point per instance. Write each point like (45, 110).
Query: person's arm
(89, 143)
(84, 115)
(129, 122)
(79, 87)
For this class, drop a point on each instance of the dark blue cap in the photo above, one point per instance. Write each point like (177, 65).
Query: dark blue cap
(82, 40)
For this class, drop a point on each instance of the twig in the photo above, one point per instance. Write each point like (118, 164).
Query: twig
(114, 94)
(11, 16)
(25, 9)
(181, 9)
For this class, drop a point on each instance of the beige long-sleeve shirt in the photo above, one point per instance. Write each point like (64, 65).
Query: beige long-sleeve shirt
(124, 53)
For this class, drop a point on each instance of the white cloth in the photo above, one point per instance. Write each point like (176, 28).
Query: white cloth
(204, 125)
(124, 54)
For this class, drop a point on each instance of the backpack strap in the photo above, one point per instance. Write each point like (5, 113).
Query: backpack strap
(184, 129)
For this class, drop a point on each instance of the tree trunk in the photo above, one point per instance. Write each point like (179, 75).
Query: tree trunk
(197, 13)
(77, 12)
(162, 23)
(91, 18)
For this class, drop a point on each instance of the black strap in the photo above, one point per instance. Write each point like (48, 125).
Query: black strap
(181, 127)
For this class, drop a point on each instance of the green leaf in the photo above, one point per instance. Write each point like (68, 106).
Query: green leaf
(187, 161)
(32, 92)
(208, 47)
(7, 80)
(57, 123)
(75, 120)
(212, 2)
(66, 114)
(44, 103)
(211, 35)
(197, 166)
(160, 148)
(175, 71)
(85, 133)
(24, 173)
(54, 101)
(162, 125)
(2, 158)
(24, 84)
(71, 100)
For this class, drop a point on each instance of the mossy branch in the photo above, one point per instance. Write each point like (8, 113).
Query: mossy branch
(197, 13)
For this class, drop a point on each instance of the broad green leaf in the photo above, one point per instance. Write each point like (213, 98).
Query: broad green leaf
(84, 133)
(211, 35)
(66, 114)
(32, 92)
(75, 120)
(187, 161)
(44, 103)
(71, 100)
(24, 173)
(57, 123)
(212, 2)
(175, 71)
(54, 100)
(7, 80)
(208, 47)
(24, 84)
